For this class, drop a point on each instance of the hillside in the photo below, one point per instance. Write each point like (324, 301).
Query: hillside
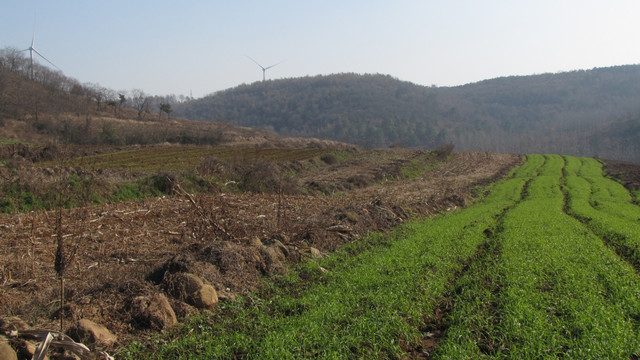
(50, 108)
(589, 113)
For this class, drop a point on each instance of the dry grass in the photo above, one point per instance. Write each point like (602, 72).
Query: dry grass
(119, 245)
(185, 158)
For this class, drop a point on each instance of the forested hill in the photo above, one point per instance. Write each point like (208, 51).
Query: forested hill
(590, 113)
(372, 110)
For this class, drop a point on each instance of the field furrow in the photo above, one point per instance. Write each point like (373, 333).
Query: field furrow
(521, 274)
(605, 207)
(555, 290)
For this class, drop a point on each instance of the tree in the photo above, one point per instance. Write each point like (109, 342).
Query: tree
(97, 93)
(165, 108)
(140, 102)
(121, 100)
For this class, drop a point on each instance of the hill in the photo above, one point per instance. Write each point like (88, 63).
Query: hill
(46, 107)
(590, 113)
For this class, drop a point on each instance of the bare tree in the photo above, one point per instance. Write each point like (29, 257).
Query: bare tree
(140, 102)
(97, 93)
(13, 60)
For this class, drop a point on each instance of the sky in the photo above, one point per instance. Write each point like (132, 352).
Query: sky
(196, 48)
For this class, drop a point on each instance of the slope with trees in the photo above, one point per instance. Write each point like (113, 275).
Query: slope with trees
(48, 107)
(593, 112)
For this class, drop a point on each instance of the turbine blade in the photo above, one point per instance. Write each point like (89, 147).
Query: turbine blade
(256, 62)
(269, 67)
(42, 56)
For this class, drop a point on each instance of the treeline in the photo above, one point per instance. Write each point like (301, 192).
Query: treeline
(573, 113)
(31, 89)
(46, 104)
(588, 113)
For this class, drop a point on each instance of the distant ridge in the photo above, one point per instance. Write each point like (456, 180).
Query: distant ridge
(586, 113)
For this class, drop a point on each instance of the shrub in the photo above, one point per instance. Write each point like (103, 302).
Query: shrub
(443, 151)
(329, 159)
(214, 166)
(266, 177)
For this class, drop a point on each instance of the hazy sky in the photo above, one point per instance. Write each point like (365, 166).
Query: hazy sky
(165, 47)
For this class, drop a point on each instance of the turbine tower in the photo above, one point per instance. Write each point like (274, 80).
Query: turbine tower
(264, 69)
(31, 50)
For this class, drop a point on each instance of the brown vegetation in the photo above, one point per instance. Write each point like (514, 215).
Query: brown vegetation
(129, 255)
(627, 172)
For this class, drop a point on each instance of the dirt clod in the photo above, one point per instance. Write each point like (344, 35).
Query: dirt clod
(90, 333)
(6, 351)
(152, 312)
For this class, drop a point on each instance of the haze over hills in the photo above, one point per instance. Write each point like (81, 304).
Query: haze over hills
(587, 112)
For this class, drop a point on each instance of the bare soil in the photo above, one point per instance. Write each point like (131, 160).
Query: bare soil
(627, 172)
(120, 251)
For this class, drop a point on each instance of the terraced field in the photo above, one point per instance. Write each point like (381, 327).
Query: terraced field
(187, 157)
(545, 266)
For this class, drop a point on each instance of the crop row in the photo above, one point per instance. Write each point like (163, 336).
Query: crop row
(604, 206)
(529, 276)
(184, 158)
(553, 289)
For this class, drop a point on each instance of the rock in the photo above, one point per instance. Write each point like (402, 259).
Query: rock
(90, 333)
(340, 228)
(153, 312)
(226, 295)
(315, 253)
(192, 289)
(182, 285)
(6, 351)
(205, 298)
(274, 259)
(12, 323)
(256, 242)
(175, 264)
(274, 242)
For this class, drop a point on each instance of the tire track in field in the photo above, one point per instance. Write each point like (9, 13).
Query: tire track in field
(479, 269)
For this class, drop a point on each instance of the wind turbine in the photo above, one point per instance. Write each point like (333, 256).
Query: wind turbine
(31, 50)
(264, 69)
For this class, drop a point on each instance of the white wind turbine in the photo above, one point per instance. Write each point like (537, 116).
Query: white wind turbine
(32, 50)
(264, 69)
